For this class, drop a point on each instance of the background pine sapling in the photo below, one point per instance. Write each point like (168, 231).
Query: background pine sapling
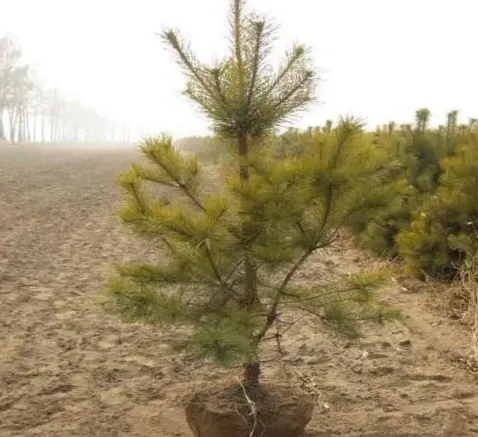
(231, 253)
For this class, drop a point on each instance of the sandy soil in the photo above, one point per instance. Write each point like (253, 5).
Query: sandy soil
(67, 370)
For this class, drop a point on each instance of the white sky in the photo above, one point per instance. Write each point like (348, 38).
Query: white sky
(380, 59)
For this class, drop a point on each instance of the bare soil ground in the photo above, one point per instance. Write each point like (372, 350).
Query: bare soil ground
(68, 370)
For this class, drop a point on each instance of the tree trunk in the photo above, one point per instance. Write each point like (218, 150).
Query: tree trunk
(53, 130)
(251, 369)
(20, 127)
(13, 125)
(34, 125)
(250, 283)
(2, 128)
(26, 125)
(43, 129)
(252, 372)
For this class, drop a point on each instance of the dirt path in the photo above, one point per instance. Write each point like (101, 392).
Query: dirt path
(67, 370)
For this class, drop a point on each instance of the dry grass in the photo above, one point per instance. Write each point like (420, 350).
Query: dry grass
(457, 301)
(469, 286)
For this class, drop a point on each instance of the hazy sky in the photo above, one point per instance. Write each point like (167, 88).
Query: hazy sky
(380, 59)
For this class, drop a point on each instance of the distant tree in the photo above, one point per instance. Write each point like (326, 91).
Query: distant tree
(422, 117)
(10, 55)
(443, 231)
(24, 102)
(22, 87)
(452, 118)
(290, 143)
(328, 125)
(391, 129)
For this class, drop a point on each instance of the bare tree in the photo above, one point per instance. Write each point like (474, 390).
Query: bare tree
(21, 90)
(24, 102)
(10, 55)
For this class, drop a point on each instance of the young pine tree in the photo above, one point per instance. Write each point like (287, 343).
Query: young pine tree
(231, 254)
(443, 232)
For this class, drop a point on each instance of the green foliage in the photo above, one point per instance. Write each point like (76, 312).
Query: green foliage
(290, 143)
(422, 196)
(342, 304)
(424, 245)
(416, 215)
(376, 228)
(418, 150)
(444, 231)
(240, 94)
(229, 255)
(292, 207)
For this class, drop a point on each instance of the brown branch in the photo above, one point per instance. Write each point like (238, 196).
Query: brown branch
(212, 263)
(234, 268)
(278, 336)
(217, 84)
(272, 315)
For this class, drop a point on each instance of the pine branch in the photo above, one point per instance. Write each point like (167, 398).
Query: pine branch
(148, 150)
(213, 264)
(234, 268)
(298, 86)
(259, 28)
(297, 53)
(216, 75)
(185, 59)
(238, 6)
(272, 315)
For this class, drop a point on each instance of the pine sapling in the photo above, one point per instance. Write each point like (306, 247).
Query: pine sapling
(229, 254)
